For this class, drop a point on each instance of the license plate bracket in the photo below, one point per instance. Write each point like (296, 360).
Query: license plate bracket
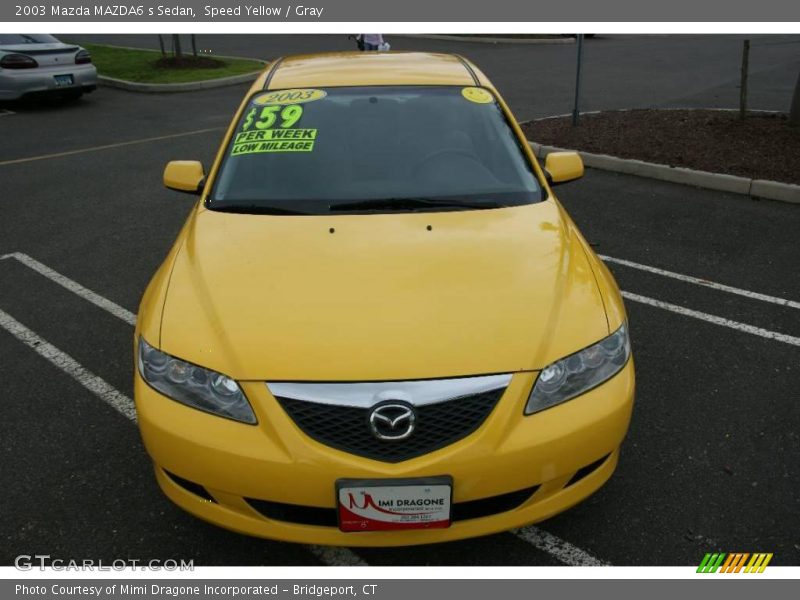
(394, 504)
(64, 80)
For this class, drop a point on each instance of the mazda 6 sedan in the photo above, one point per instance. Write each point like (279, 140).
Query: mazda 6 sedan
(39, 64)
(378, 326)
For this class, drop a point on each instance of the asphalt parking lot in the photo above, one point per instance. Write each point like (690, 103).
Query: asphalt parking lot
(711, 462)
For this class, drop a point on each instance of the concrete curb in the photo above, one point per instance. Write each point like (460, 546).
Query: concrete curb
(172, 88)
(488, 40)
(775, 190)
(750, 111)
(757, 188)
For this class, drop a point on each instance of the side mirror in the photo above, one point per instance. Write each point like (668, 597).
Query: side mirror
(561, 167)
(185, 176)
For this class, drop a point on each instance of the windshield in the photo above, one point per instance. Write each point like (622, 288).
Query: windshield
(373, 149)
(17, 39)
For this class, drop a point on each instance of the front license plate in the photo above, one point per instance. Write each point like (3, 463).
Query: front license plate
(392, 504)
(62, 80)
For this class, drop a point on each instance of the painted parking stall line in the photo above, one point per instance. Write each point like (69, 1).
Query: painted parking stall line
(336, 555)
(16, 161)
(702, 282)
(121, 403)
(4, 112)
(538, 538)
(74, 287)
(98, 386)
(696, 314)
(329, 555)
(555, 546)
(130, 318)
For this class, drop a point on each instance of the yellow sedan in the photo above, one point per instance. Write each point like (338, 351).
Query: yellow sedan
(378, 326)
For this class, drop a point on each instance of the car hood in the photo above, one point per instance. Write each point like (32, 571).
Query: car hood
(381, 296)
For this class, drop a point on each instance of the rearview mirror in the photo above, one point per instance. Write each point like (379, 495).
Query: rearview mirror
(185, 176)
(563, 166)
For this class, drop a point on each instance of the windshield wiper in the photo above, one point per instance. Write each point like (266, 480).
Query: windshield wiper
(412, 204)
(257, 209)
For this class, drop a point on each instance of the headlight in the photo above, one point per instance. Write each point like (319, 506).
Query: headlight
(580, 372)
(192, 385)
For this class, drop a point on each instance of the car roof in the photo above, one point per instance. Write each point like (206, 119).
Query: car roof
(369, 68)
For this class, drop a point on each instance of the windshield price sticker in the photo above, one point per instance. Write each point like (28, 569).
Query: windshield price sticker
(394, 507)
(274, 140)
(269, 115)
(271, 129)
(290, 97)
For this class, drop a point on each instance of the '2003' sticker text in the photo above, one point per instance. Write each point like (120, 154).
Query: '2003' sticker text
(290, 96)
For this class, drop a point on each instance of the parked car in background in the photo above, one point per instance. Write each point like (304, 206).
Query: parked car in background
(39, 64)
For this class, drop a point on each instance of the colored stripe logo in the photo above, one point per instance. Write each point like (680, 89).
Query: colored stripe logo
(735, 562)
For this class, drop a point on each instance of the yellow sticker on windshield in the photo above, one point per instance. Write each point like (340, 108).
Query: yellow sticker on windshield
(272, 115)
(274, 140)
(477, 95)
(298, 96)
(271, 128)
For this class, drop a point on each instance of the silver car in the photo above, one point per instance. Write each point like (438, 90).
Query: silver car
(39, 64)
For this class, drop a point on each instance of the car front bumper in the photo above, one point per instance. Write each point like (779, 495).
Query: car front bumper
(513, 471)
(16, 83)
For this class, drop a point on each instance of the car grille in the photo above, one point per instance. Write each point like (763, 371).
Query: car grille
(347, 428)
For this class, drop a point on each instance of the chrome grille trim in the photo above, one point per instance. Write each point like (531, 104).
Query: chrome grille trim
(366, 394)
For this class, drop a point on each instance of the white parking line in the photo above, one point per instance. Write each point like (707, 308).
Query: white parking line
(130, 318)
(4, 112)
(563, 551)
(703, 282)
(335, 555)
(70, 366)
(109, 146)
(696, 314)
(107, 393)
(75, 287)
(329, 555)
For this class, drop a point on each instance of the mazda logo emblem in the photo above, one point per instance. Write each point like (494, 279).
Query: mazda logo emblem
(392, 420)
